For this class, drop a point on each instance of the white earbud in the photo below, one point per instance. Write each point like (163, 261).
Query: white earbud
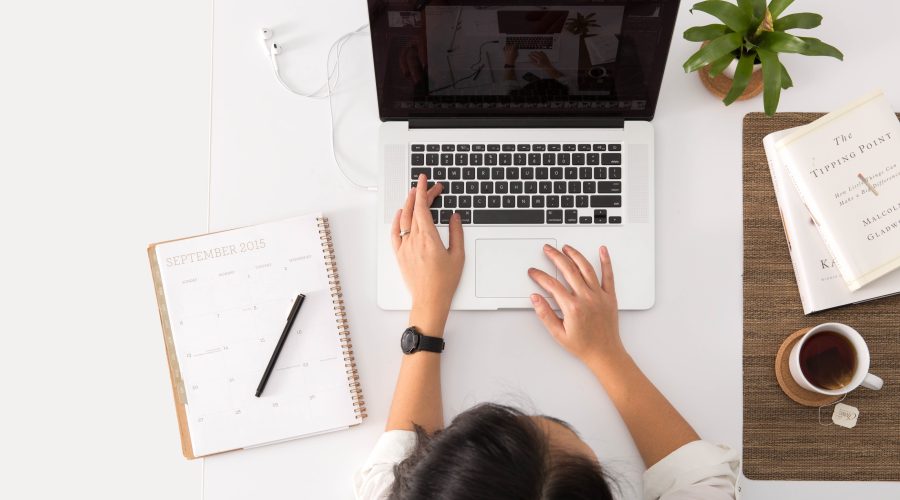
(266, 35)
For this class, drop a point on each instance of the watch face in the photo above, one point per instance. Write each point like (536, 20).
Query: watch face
(409, 341)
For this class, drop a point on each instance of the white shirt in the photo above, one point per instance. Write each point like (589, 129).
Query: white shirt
(696, 471)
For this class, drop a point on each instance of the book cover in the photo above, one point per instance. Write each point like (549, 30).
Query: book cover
(845, 168)
(819, 282)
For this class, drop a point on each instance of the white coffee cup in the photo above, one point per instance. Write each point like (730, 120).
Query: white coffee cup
(861, 376)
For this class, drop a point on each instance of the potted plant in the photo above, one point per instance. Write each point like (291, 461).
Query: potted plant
(581, 25)
(749, 40)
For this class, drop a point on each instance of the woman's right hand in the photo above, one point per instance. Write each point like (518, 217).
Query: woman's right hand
(589, 328)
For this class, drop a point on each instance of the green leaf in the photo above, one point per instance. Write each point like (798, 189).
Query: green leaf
(803, 20)
(703, 33)
(777, 41)
(712, 51)
(771, 68)
(741, 78)
(816, 47)
(776, 7)
(716, 67)
(753, 8)
(786, 81)
(728, 13)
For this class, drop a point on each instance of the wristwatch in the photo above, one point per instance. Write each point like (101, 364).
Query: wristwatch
(412, 341)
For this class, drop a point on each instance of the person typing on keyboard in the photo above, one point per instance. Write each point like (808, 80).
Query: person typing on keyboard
(496, 452)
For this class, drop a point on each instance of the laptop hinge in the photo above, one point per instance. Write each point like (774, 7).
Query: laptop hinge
(507, 122)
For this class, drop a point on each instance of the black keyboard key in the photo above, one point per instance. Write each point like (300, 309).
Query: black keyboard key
(527, 173)
(483, 173)
(545, 187)
(589, 187)
(465, 202)
(457, 188)
(509, 147)
(516, 187)
(571, 172)
(581, 201)
(494, 201)
(493, 147)
(615, 220)
(537, 201)
(571, 216)
(584, 147)
(454, 174)
(476, 159)
(569, 147)
(599, 147)
(575, 187)
(609, 187)
(615, 172)
(593, 158)
(520, 159)
(487, 187)
(417, 159)
(446, 159)
(431, 159)
(523, 201)
(465, 216)
(509, 217)
(542, 173)
(445, 184)
(599, 216)
(463, 147)
(477, 147)
(512, 173)
(445, 216)
(611, 159)
(435, 216)
(584, 173)
(462, 159)
(554, 216)
(497, 173)
(479, 201)
(556, 173)
(472, 187)
(599, 172)
(549, 159)
(501, 187)
(531, 187)
(534, 158)
(438, 202)
(449, 201)
(468, 173)
(615, 147)
(433, 147)
(559, 187)
(568, 201)
(418, 147)
(553, 201)
(578, 159)
(440, 173)
(599, 201)
(523, 147)
(490, 159)
(505, 159)
(553, 147)
(448, 147)
(563, 159)
(539, 147)
(414, 172)
(585, 219)
(509, 201)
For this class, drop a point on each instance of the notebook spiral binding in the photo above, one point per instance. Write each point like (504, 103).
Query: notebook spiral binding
(340, 315)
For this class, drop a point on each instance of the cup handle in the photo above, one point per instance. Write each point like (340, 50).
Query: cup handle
(872, 382)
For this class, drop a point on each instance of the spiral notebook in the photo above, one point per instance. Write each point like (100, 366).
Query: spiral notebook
(223, 301)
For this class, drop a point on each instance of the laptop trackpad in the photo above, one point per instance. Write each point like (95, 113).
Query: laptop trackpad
(501, 266)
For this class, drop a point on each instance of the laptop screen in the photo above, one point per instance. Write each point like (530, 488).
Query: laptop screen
(439, 59)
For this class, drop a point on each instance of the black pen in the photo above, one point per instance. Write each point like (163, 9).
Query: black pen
(284, 335)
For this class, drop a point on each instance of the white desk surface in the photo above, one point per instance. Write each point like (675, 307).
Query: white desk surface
(270, 158)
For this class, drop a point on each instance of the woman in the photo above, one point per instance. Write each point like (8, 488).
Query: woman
(497, 452)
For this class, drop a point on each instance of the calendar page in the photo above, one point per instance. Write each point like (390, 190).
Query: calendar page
(228, 296)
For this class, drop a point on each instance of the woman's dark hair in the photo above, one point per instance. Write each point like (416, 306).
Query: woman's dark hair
(495, 452)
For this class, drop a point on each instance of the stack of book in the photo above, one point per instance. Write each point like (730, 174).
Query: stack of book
(837, 182)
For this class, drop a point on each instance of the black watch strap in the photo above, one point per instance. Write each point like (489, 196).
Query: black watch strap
(431, 344)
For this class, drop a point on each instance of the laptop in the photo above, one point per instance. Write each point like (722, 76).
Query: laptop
(533, 29)
(530, 151)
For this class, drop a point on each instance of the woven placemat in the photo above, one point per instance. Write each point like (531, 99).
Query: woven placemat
(782, 439)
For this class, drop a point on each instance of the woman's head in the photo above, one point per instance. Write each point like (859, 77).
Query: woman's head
(497, 452)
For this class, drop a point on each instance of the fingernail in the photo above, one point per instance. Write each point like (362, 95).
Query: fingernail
(566, 248)
(534, 298)
(547, 247)
(604, 251)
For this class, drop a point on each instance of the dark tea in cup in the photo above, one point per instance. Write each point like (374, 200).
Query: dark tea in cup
(828, 360)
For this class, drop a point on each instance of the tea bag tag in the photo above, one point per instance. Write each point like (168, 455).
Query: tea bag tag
(845, 415)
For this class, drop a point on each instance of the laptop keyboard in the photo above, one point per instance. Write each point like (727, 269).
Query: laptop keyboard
(531, 42)
(523, 183)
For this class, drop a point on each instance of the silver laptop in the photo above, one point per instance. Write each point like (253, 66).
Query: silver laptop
(532, 29)
(529, 154)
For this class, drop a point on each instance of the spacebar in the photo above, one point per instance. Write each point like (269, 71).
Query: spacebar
(515, 216)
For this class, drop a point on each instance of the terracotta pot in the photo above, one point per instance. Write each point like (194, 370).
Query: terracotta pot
(721, 84)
